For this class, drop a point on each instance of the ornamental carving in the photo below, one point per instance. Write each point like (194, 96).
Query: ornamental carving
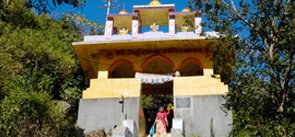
(154, 27)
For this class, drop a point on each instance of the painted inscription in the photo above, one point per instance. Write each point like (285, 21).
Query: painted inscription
(109, 54)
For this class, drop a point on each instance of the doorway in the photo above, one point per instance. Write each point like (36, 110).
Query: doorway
(153, 97)
(156, 89)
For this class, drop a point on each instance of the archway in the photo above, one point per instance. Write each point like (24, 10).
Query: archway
(191, 67)
(157, 95)
(157, 65)
(121, 69)
(161, 65)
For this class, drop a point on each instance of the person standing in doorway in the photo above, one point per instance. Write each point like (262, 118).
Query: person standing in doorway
(161, 123)
(170, 109)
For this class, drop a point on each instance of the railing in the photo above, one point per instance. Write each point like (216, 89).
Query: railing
(149, 36)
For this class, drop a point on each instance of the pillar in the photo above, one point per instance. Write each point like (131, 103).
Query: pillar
(109, 28)
(208, 72)
(135, 26)
(102, 74)
(198, 21)
(172, 24)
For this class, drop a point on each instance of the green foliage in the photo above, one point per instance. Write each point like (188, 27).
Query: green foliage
(45, 6)
(188, 21)
(31, 114)
(194, 135)
(15, 14)
(84, 25)
(153, 102)
(146, 101)
(42, 56)
(255, 54)
(38, 71)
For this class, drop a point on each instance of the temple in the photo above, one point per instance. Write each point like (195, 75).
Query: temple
(153, 52)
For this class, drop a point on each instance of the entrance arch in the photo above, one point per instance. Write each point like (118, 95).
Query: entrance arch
(156, 95)
(121, 69)
(158, 64)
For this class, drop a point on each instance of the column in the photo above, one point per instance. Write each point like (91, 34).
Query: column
(109, 28)
(208, 72)
(172, 24)
(102, 74)
(198, 21)
(135, 27)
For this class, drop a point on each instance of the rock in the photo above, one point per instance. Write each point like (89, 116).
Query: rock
(96, 133)
(121, 131)
(66, 106)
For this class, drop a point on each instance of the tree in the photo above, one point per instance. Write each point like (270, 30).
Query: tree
(39, 72)
(83, 25)
(256, 51)
(45, 6)
(32, 114)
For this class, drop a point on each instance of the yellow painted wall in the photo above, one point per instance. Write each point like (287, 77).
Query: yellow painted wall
(102, 87)
(200, 85)
(137, 61)
(112, 88)
(131, 87)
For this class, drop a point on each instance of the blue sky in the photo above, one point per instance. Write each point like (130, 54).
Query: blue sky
(92, 11)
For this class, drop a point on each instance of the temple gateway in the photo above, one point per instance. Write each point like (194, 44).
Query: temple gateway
(150, 58)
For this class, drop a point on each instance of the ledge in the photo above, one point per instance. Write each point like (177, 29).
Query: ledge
(144, 37)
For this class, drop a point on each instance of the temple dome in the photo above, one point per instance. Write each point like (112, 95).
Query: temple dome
(155, 3)
(186, 10)
(123, 12)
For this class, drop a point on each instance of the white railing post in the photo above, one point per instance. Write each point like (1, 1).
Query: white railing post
(198, 21)
(108, 32)
(172, 24)
(135, 27)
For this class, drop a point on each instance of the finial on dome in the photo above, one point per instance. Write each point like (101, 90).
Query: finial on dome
(186, 10)
(123, 12)
(155, 3)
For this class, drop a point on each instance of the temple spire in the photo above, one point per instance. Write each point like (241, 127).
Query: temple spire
(155, 3)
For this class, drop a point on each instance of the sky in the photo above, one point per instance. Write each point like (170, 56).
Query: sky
(92, 9)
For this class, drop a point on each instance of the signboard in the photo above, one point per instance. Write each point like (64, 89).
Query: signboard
(183, 102)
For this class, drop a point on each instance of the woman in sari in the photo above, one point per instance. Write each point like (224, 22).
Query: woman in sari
(161, 123)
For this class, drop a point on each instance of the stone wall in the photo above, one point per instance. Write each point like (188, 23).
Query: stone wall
(106, 113)
(197, 113)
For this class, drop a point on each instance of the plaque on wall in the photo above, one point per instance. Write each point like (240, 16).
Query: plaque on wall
(183, 102)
